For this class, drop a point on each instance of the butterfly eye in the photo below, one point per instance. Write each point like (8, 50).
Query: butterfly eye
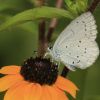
(50, 47)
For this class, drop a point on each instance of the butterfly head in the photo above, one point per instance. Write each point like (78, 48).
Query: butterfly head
(50, 48)
(49, 51)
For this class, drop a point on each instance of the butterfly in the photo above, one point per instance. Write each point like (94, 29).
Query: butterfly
(76, 46)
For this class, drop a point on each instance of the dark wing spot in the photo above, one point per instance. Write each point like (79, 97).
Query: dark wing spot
(85, 29)
(77, 56)
(83, 22)
(78, 61)
(78, 46)
(73, 62)
(77, 22)
(80, 41)
(66, 46)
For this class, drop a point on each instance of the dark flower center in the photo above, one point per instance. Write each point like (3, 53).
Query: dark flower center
(39, 70)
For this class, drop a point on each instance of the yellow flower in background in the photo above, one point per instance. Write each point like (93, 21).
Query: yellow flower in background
(36, 79)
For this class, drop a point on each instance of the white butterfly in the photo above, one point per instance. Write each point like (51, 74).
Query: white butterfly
(76, 45)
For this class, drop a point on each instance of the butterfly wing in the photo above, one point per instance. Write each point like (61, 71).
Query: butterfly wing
(76, 44)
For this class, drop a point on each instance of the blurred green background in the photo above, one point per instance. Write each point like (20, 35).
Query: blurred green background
(19, 42)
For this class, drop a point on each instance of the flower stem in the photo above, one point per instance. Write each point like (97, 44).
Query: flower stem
(65, 72)
(41, 37)
(42, 29)
(53, 22)
(93, 5)
(43, 40)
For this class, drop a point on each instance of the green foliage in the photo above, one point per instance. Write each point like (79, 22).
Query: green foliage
(76, 7)
(36, 13)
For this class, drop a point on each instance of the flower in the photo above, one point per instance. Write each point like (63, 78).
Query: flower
(36, 79)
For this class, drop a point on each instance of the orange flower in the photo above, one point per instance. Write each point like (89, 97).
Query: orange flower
(19, 88)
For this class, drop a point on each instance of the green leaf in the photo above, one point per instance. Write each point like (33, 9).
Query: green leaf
(82, 5)
(36, 13)
(68, 3)
(72, 7)
(73, 10)
(76, 7)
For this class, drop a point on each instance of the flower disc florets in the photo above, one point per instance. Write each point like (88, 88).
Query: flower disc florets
(39, 70)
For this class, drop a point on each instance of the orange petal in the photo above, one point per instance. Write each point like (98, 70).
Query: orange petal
(10, 69)
(17, 92)
(52, 93)
(8, 81)
(33, 93)
(66, 85)
(61, 95)
(46, 95)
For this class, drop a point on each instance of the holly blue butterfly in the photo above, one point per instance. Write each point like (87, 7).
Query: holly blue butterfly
(76, 45)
